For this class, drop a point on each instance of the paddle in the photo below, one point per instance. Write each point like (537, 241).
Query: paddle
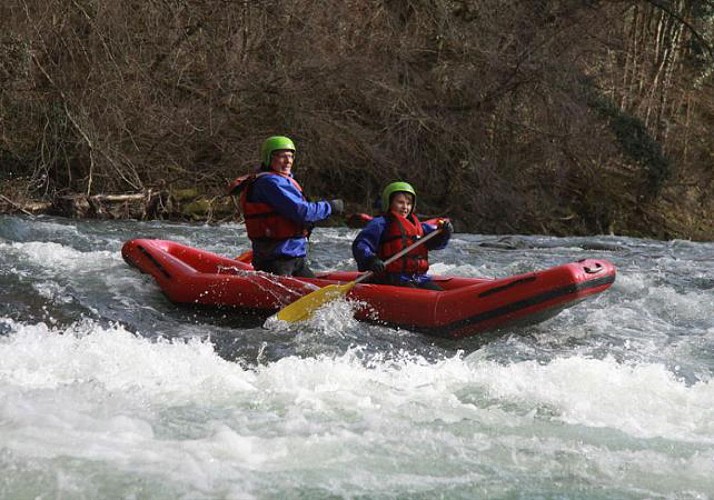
(305, 306)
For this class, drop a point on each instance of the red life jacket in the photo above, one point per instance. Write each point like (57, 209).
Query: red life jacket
(261, 219)
(399, 233)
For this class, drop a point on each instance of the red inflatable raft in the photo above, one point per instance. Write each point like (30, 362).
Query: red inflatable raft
(466, 306)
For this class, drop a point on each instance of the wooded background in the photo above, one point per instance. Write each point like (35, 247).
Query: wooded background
(520, 116)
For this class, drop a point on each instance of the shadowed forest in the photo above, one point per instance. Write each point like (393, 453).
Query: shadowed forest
(565, 117)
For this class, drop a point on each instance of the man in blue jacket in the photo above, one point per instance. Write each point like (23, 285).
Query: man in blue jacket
(277, 214)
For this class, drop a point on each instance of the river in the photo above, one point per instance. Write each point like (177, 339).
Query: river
(107, 390)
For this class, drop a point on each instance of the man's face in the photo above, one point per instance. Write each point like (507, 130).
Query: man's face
(281, 161)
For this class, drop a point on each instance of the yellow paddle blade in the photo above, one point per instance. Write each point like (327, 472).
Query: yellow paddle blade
(304, 307)
(246, 257)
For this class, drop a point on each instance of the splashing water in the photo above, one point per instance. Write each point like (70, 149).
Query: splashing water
(107, 390)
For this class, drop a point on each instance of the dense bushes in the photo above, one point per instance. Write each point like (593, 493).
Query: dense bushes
(481, 105)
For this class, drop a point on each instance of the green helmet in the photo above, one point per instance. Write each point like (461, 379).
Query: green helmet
(396, 187)
(274, 143)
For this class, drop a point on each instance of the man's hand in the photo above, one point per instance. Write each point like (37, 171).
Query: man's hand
(337, 206)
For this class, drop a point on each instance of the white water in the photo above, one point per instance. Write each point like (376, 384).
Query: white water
(109, 391)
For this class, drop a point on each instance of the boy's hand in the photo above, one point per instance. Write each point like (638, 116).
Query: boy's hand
(446, 226)
(376, 265)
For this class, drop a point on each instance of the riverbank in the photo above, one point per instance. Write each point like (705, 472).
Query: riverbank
(191, 204)
(676, 215)
(184, 205)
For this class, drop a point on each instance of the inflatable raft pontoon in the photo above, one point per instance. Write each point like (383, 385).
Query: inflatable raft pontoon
(466, 307)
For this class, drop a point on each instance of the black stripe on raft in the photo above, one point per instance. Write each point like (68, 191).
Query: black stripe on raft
(154, 261)
(501, 288)
(515, 307)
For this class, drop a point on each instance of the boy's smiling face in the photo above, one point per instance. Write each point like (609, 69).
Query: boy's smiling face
(401, 204)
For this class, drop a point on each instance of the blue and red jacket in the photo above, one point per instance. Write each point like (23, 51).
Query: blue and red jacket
(386, 235)
(278, 217)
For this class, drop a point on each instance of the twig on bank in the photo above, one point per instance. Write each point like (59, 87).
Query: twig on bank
(16, 205)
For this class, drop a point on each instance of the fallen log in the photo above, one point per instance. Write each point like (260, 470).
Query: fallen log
(149, 204)
(26, 207)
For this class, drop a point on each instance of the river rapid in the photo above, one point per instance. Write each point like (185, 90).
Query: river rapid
(107, 390)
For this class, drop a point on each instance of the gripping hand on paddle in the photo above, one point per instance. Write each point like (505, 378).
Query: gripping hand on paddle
(446, 226)
(376, 265)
